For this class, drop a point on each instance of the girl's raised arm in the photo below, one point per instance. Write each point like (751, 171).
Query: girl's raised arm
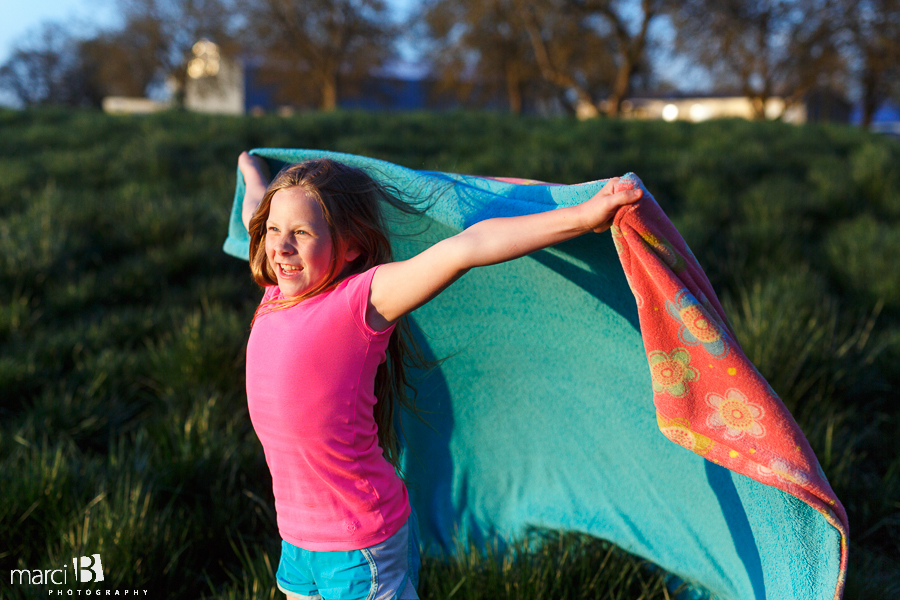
(400, 287)
(256, 179)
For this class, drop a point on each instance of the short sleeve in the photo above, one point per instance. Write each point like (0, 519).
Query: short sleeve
(356, 290)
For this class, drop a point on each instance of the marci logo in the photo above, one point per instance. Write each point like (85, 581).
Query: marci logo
(91, 569)
(88, 569)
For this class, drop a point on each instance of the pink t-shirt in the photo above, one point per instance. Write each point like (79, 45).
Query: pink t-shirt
(310, 389)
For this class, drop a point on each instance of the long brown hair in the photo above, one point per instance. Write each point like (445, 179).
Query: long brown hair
(351, 201)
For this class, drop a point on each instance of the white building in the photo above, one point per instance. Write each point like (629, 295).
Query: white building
(214, 84)
(819, 105)
(702, 108)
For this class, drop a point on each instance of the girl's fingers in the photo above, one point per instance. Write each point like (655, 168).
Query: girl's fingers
(624, 197)
(619, 197)
(607, 190)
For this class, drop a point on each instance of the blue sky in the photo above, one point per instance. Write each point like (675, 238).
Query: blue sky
(19, 18)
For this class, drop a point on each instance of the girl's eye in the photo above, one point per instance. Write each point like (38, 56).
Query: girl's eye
(300, 232)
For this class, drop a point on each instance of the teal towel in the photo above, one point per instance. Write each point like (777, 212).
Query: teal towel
(543, 412)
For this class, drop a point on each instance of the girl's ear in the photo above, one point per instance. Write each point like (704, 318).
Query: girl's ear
(351, 254)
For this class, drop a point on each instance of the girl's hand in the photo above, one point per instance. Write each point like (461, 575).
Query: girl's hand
(598, 212)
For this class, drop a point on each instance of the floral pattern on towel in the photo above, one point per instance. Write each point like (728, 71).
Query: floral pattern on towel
(671, 372)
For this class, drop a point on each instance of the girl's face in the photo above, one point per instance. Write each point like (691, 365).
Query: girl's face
(298, 243)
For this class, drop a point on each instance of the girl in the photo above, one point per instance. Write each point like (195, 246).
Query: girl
(324, 372)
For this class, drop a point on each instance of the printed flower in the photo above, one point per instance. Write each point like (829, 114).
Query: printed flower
(700, 327)
(679, 431)
(665, 251)
(784, 472)
(696, 325)
(736, 414)
(671, 372)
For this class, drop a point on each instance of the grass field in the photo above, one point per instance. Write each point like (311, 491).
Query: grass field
(123, 425)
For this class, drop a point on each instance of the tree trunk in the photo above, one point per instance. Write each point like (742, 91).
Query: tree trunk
(872, 77)
(513, 91)
(329, 93)
(869, 98)
(759, 108)
(620, 90)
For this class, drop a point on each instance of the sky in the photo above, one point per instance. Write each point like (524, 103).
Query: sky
(19, 18)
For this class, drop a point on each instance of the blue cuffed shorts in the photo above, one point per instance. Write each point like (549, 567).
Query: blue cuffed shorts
(385, 571)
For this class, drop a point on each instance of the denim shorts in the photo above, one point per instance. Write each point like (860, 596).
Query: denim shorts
(386, 571)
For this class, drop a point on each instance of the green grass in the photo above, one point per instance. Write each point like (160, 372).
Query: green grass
(123, 424)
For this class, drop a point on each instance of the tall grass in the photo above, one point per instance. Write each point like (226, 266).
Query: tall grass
(123, 425)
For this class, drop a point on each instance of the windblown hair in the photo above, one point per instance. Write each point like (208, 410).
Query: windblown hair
(351, 202)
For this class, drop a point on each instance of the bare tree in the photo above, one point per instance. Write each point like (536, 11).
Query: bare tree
(763, 48)
(546, 46)
(571, 51)
(122, 63)
(628, 43)
(872, 42)
(478, 49)
(158, 36)
(314, 48)
(590, 51)
(43, 68)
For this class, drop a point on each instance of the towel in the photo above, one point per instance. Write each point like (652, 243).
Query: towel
(567, 375)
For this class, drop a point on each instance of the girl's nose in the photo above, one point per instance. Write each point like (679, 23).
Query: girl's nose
(283, 247)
